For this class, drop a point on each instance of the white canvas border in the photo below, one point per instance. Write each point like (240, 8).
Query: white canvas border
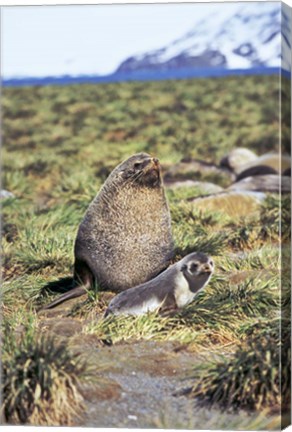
(5, 3)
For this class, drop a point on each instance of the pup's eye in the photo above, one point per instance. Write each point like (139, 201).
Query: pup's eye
(211, 262)
(193, 267)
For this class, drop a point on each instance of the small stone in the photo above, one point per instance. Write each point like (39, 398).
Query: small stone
(276, 161)
(4, 194)
(263, 183)
(237, 157)
(197, 170)
(255, 171)
(204, 187)
(232, 203)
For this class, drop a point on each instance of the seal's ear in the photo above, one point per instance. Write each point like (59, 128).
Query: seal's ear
(184, 268)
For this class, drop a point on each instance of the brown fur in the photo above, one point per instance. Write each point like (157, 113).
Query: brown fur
(125, 237)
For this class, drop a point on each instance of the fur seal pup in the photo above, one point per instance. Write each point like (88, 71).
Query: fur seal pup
(125, 236)
(174, 288)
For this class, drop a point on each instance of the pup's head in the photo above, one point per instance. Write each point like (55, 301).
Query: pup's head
(197, 268)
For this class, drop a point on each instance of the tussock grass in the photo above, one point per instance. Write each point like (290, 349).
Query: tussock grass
(184, 193)
(60, 216)
(16, 181)
(194, 230)
(148, 327)
(78, 190)
(212, 244)
(46, 241)
(184, 212)
(40, 381)
(45, 248)
(253, 378)
(123, 328)
(225, 304)
(276, 217)
(266, 258)
(24, 289)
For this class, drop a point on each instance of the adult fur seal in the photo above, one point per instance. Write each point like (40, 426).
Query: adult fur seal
(125, 237)
(174, 288)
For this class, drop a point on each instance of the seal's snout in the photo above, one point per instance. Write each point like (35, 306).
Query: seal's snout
(155, 161)
(152, 169)
(153, 164)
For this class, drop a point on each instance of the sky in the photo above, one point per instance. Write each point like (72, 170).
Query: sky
(57, 40)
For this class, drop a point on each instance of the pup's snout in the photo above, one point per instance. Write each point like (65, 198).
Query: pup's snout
(208, 268)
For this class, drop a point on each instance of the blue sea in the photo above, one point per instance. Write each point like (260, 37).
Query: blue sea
(142, 76)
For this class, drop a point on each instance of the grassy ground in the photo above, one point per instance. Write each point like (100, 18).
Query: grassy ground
(60, 143)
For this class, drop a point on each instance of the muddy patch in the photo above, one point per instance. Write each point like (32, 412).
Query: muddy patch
(145, 380)
(148, 373)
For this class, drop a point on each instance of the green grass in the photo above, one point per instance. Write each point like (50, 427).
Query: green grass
(60, 144)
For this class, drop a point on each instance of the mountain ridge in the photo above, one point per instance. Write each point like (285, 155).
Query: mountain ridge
(251, 37)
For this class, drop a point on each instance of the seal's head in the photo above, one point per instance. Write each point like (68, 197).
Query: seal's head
(141, 169)
(197, 268)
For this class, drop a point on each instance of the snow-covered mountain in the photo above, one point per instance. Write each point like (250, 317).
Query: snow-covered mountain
(257, 35)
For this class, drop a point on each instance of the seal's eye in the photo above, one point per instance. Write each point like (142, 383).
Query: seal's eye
(211, 263)
(193, 267)
(137, 165)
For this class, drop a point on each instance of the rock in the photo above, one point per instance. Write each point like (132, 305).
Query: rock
(196, 170)
(263, 183)
(287, 172)
(237, 158)
(232, 203)
(204, 187)
(4, 194)
(255, 171)
(272, 160)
